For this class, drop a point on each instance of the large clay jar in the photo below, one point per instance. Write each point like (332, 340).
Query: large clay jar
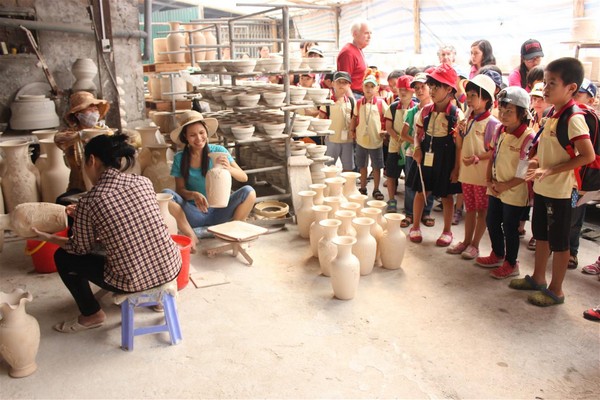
(54, 173)
(393, 242)
(318, 188)
(218, 183)
(359, 199)
(149, 135)
(198, 38)
(316, 230)
(20, 178)
(210, 39)
(163, 204)
(334, 203)
(365, 247)
(346, 217)
(19, 333)
(376, 229)
(305, 214)
(335, 187)
(175, 42)
(350, 185)
(326, 249)
(159, 46)
(47, 217)
(158, 171)
(381, 205)
(345, 269)
(84, 70)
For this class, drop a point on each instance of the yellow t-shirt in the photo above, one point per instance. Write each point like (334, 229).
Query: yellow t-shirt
(551, 153)
(369, 124)
(340, 119)
(474, 145)
(398, 125)
(438, 123)
(508, 151)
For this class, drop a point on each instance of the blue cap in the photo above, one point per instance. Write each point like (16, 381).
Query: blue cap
(496, 77)
(588, 87)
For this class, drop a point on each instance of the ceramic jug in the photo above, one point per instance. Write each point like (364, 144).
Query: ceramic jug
(381, 205)
(47, 217)
(175, 42)
(159, 46)
(393, 242)
(163, 204)
(218, 183)
(316, 230)
(359, 199)
(365, 247)
(334, 203)
(326, 249)
(305, 214)
(345, 269)
(158, 171)
(20, 178)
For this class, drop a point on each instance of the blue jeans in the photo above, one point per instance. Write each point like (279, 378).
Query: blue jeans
(409, 194)
(214, 216)
(503, 227)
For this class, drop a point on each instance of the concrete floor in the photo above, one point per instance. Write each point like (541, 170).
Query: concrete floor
(438, 328)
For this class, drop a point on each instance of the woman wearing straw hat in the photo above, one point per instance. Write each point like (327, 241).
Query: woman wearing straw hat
(85, 112)
(190, 167)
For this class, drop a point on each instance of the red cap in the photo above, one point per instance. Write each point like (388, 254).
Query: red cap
(404, 82)
(309, 74)
(444, 73)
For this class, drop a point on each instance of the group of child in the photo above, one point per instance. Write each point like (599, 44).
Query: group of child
(445, 147)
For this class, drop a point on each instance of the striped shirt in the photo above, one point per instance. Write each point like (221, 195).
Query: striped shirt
(121, 212)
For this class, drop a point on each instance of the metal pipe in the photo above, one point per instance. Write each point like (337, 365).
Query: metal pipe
(61, 27)
(302, 6)
(148, 49)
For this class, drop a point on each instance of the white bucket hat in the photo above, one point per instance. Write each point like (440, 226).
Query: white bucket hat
(484, 82)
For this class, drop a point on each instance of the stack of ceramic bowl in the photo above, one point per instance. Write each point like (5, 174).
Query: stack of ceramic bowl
(274, 99)
(248, 99)
(298, 148)
(317, 95)
(33, 112)
(243, 66)
(314, 63)
(297, 93)
(273, 129)
(300, 126)
(272, 64)
(317, 151)
(242, 132)
(319, 125)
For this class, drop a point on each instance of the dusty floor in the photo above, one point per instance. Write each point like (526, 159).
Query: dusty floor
(438, 328)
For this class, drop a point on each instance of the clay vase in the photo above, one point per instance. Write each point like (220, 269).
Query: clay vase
(393, 242)
(47, 217)
(54, 173)
(20, 178)
(44, 134)
(381, 205)
(159, 45)
(305, 214)
(350, 185)
(149, 135)
(158, 171)
(365, 247)
(331, 171)
(198, 38)
(218, 183)
(163, 203)
(19, 333)
(335, 188)
(345, 269)
(318, 188)
(326, 250)
(346, 217)
(359, 199)
(376, 229)
(355, 207)
(175, 41)
(316, 230)
(334, 203)
(84, 70)
(210, 39)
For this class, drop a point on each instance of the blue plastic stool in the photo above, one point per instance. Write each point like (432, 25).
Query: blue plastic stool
(152, 297)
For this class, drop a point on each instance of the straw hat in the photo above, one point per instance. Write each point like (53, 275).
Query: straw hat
(79, 101)
(190, 117)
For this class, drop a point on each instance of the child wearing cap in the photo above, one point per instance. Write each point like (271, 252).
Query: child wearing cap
(586, 94)
(436, 153)
(394, 122)
(508, 195)
(531, 56)
(475, 154)
(342, 113)
(308, 81)
(538, 105)
(555, 186)
(369, 133)
(392, 79)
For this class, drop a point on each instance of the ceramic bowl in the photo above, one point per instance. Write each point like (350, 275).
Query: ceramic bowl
(242, 132)
(230, 99)
(295, 63)
(318, 125)
(274, 98)
(273, 129)
(301, 124)
(317, 95)
(243, 66)
(297, 93)
(317, 151)
(298, 152)
(248, 100)
(269, 64)
(314, 63)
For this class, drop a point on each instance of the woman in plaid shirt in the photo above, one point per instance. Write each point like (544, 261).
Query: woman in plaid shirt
(121, 214)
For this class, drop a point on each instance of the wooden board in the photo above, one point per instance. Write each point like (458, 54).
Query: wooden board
(237, 231)
(167, 105)
(165, 67)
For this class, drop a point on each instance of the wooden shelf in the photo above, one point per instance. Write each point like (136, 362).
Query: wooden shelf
(167, 105)
(165, 67)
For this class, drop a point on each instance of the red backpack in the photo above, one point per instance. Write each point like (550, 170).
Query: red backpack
(379, 102)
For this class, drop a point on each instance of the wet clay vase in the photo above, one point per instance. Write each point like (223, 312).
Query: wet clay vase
(210, 39)
(334, 203)
(318, 188)
(350, 185)
(365, 247)
(316, 230)
(175, 42)
(305, 214)
(393, 242)
(19, 333)
(326, 249)
(346, 217)
(158, 171)
(376, 229)
(218, 183)
(335, 188)
(345, 269)
(54, 173)
(359, 199)
(163, 203)
(149, 136)
(84, 70)
(20, 178)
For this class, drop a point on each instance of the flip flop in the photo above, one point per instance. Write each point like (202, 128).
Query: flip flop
(73, 326)
(428, 221)
(406, 222)
(526, 283)
(545, 298)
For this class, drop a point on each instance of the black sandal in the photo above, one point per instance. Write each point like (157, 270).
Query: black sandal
(363, 191)
(377, 195)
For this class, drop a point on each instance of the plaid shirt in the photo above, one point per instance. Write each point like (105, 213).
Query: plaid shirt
(121, 212)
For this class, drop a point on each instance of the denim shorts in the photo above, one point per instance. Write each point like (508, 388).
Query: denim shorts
(363, 155)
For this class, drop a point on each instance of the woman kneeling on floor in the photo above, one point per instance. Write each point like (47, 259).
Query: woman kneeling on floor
(121, 214)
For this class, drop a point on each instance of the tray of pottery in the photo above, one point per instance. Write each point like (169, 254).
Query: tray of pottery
(237, 231)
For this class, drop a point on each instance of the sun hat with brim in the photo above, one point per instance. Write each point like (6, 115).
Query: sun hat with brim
(191, 117)
(538, 90)
(421, 77)
(445, 74)
(515, 95)
(484, 82)
(79, 101)
(371, 79)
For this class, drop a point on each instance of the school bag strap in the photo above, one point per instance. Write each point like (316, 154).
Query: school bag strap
(352, 101)
(452, 117)
(379, 103)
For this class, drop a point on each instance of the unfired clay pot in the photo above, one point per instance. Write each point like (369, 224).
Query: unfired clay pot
(393, 242)
(20, 178)
(316, 230)
(350, 185)
(54, 173)
(19, 333)
(334, 203)
(326, 249)
(305, 214)
(158, 171)
(47, 217)
(346, 217)
(318, 188)
(218, 183)
(149, 137)
(163, 203)
(376, 229)
(84, 70)
(345, 269)
(365, 247)
(175, 41)
(210, 39)
(335, 187)
(359, 199)
(159, 46)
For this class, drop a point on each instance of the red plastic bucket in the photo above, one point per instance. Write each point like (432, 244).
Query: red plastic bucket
(42, 254)
(185, 247)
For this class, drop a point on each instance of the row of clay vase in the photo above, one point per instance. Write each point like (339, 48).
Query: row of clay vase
(176, 41)
(19, 333)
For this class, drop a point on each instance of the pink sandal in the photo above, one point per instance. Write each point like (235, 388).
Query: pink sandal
(415, 235)
(444, 240)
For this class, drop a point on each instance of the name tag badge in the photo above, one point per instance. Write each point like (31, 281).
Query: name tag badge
(522, 169)
(344, 134)
(428, 161)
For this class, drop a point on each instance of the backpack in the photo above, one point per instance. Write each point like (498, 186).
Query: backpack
(452, 118)
(379, 102)
(352, 102)
(588, 176)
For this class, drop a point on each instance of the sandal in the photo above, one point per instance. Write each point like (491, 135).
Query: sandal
(573, 262)
(377, 195)
(73, 326)
(428, 221)
(363, 191)
(406, 222)
(545, 298)
(444, 240)
(415, 235)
